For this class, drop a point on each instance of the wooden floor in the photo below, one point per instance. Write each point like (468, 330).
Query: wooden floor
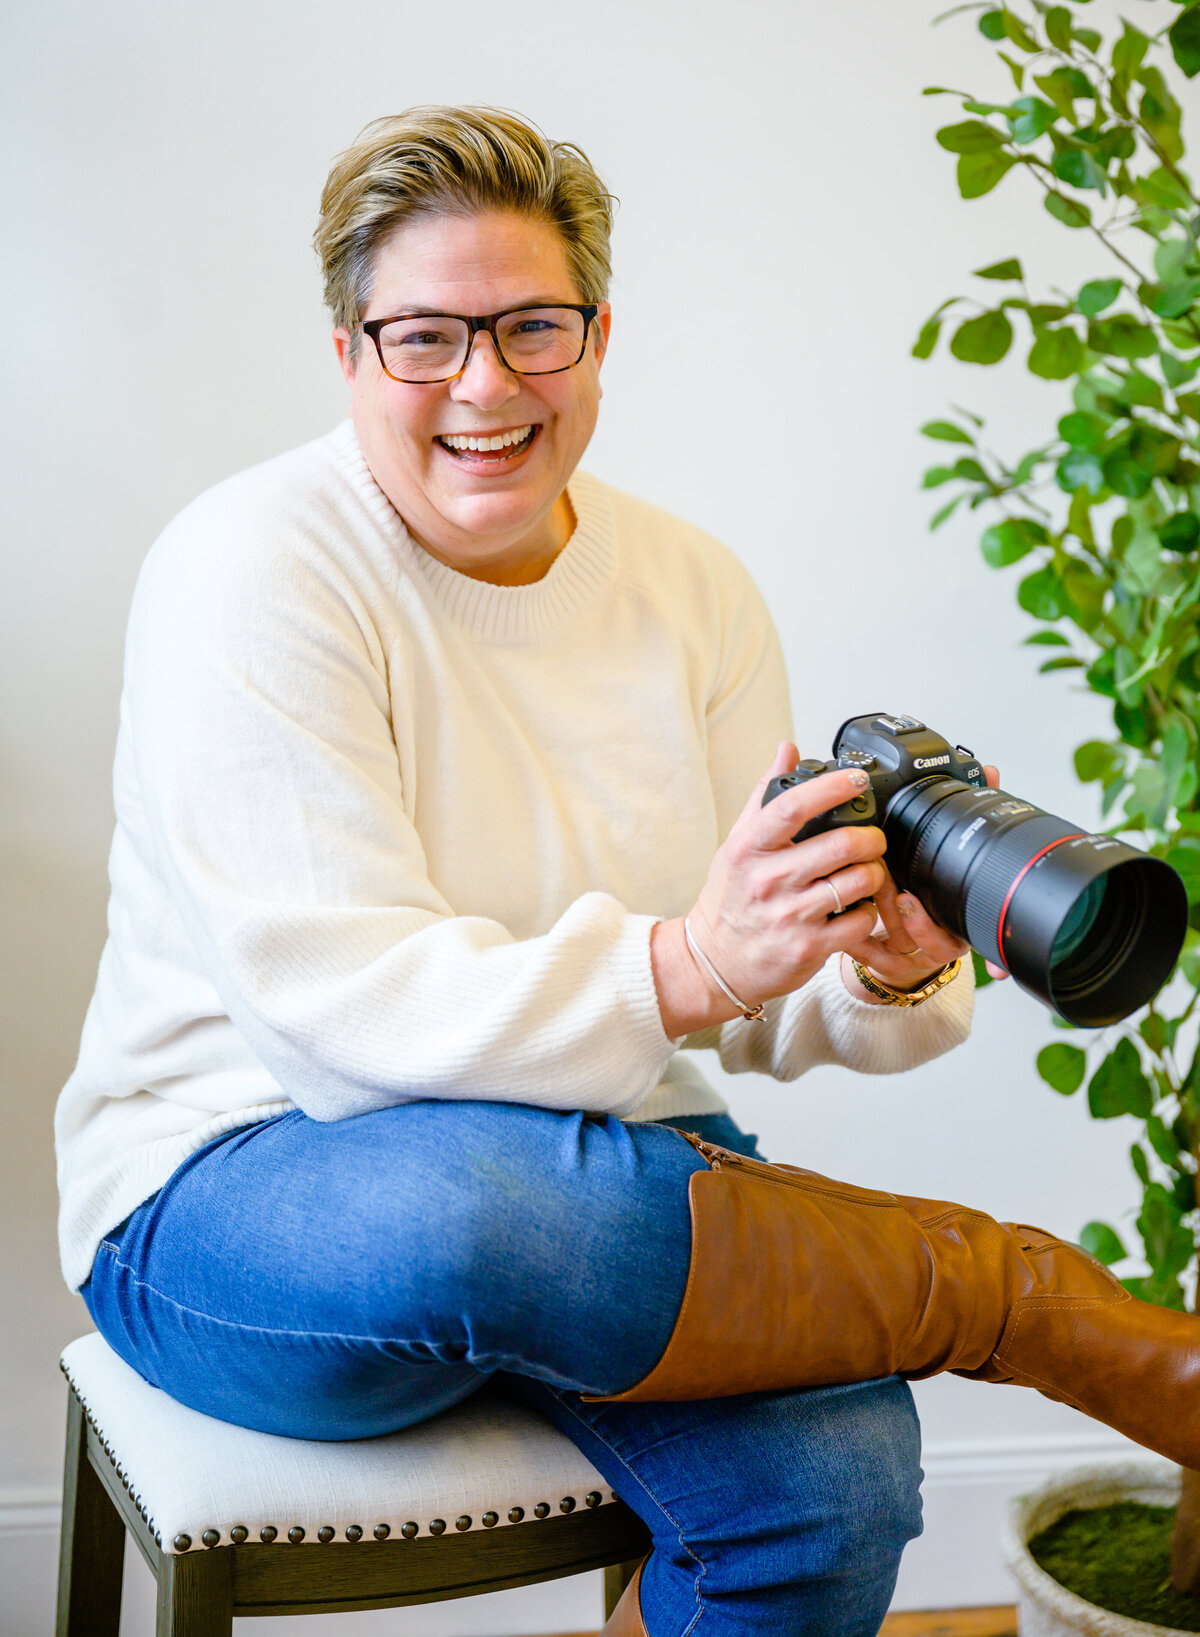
(991, 1622)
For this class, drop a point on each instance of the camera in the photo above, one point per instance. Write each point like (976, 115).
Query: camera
(1087, 924)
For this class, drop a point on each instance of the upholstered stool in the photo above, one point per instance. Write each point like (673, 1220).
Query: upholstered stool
(231, 1522)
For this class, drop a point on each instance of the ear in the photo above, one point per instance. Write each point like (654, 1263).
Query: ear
(341, 345)
(601, 327)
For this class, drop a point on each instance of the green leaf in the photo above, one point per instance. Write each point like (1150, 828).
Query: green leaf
(978, 173)
(1141, 1165)
(982, 976)
(1180, 533)
(1043, 595)
(1017, 32)
(928, 338)
(1171, 257)
(1011, 540)
(971, 136)
(1119, 1086)
(1189, 403)
(1186, 861)
(1125, 476)
(1128, 52)
(1160, 114)
(1062, 1067)
(982, 340)
(943, 512)
(1057, 22)
(1016, 69)
(1078, 169)
(1080, 469)
(1085, 593)
(1121, 336)
(1096, 295)
(991, 25)
(1176, 299)
(1063, 663)
(1010, 269)
(1062, 87)
(1162, 1142)
(1176, 371)
(1033, 120)
(1096, 759)
(1045, 639)
(947, 431)
(1139, 388)
(1080, 430)
(1169, 1245)
(1184, 35)
(1068, 211)
(1056, 354)
(1103, 1242)
(1163, 190)
(1088, 38)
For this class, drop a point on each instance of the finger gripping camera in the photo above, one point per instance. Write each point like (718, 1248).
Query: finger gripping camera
(1089, 925)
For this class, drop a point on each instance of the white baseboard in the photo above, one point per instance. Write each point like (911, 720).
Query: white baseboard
(956, 1563)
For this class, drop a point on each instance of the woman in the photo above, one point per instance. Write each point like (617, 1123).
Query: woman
(428, 746)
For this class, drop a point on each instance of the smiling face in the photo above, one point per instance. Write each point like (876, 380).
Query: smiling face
(498, 513)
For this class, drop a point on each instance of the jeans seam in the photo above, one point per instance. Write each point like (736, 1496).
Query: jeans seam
(254, 1329)
(641, 1483)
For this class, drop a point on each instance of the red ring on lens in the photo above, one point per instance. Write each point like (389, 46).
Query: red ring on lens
(1048, 848)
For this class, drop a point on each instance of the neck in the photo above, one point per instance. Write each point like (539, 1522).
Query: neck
(526, 562)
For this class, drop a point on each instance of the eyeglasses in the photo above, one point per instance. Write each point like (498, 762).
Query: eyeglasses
(429, 347)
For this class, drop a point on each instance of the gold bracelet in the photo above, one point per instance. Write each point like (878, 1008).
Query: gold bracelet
(900, 997)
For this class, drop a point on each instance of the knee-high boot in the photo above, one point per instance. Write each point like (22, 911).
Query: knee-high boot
(798, 1281)
(626, 1619)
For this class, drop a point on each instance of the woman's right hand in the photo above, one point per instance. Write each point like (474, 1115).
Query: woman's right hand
(766, 916)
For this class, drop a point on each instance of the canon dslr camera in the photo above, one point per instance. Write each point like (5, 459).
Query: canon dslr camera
(1090, 926)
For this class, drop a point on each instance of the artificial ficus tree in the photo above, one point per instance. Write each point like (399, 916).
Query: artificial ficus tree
(1103, 514)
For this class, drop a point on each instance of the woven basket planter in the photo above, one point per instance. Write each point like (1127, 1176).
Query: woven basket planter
(1045, 1608)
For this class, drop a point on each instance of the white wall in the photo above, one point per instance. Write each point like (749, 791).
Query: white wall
(164, 328)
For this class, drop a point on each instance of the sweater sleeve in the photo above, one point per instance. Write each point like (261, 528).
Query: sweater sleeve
(822, 1022)
(257, 702)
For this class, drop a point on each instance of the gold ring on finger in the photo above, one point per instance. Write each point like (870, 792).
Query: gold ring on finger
(836, 897)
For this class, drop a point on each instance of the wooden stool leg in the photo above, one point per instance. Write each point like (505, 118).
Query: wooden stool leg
(92, 1544)
(195, 1594)
(616, 1577)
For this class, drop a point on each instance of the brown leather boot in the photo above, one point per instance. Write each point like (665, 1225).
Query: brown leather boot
(626, 1619)
(798, 1281)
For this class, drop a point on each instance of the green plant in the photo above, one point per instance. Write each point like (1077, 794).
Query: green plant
(1104, 514)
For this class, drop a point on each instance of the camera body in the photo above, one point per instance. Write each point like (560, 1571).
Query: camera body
(894, 752)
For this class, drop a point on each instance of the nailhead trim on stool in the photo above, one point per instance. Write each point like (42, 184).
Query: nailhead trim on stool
(483, 1423)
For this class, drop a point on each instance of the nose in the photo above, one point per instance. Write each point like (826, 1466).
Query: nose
(486, 381)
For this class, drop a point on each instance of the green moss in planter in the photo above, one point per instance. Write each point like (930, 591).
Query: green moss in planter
(1118, 1557)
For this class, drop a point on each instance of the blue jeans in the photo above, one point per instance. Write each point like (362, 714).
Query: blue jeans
(380, 1269)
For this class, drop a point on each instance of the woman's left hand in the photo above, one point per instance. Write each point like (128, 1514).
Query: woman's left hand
(907, 946)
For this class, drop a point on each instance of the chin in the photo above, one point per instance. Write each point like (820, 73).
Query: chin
(497, 513)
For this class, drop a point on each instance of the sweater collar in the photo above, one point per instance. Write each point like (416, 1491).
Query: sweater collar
(501, 613)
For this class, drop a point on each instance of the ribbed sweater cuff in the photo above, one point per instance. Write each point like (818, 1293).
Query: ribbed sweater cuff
(889, 1039)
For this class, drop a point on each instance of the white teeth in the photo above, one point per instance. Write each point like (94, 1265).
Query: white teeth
(500, 440)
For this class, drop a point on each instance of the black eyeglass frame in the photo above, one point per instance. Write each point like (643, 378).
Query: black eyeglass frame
(488, 322)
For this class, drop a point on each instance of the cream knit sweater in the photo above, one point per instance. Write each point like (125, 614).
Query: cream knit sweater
(386, 832)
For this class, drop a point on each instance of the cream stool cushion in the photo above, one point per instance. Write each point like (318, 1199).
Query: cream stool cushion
(198, 1482)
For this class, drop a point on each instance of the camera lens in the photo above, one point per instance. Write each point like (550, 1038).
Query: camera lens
(1089, 925)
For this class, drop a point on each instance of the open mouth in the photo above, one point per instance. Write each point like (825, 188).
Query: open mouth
(489, 449)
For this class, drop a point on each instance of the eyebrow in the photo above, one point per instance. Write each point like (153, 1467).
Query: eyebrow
(441, 312)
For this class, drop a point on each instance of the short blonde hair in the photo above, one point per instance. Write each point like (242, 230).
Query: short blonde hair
(455, 161)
